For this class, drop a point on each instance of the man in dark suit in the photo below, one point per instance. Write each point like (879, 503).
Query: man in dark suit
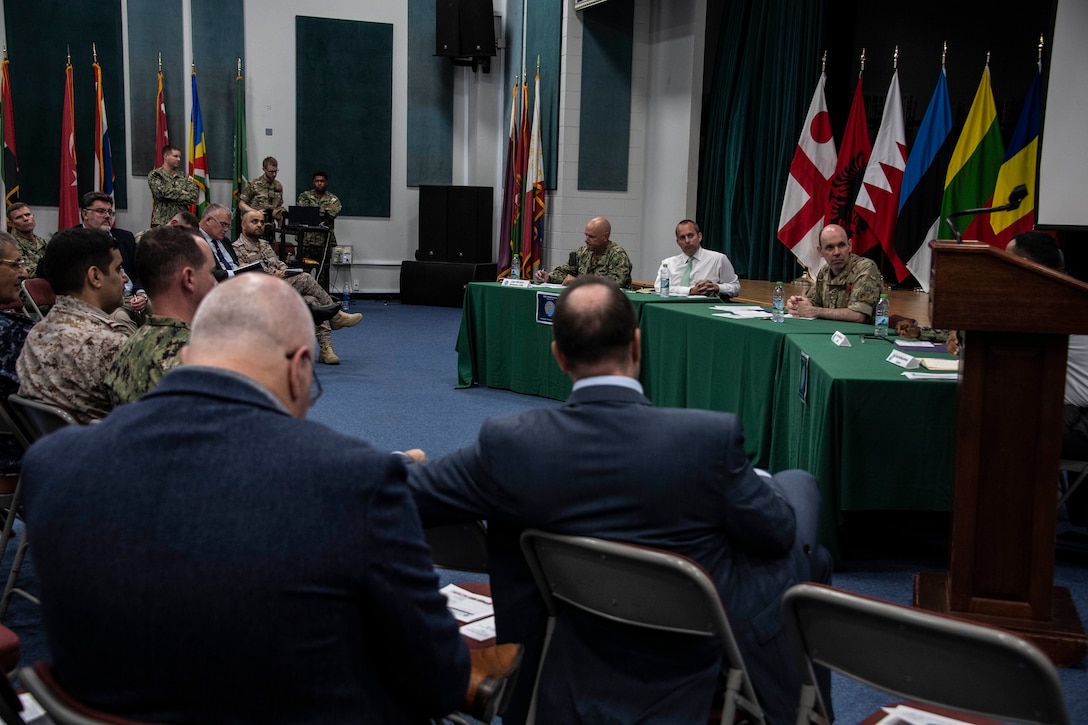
(204, 576)
(215, 226)
(609, 464)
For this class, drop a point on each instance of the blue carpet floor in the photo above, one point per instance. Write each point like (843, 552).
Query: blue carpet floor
(396, 388)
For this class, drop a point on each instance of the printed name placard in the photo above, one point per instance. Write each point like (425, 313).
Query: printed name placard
(840, 339)
(507, 282)
(903, 360)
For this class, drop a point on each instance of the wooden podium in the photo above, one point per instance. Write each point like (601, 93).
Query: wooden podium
(1008, 442)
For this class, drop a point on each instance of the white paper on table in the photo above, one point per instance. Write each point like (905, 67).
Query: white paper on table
(744, 315)
(915, 375)
(737, 308)
(913, 716)
(940, 364)
(466, 606)
(481, 630)
(914, 343)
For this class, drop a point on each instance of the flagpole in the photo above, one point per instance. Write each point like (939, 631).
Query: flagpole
(806, 280)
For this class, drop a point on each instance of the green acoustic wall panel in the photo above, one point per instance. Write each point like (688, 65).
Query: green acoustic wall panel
(430, 101)
(218, 43)
(37, 81)
(604, 129)
(154, 28)
(542, 21)
(344, 110)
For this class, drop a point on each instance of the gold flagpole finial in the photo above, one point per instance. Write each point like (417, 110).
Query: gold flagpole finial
(68, 50)
(944, 54)
(193, 66)
(1041, 49)
(5, 51)
(160, 62)
(895, 59)
(862, 70)
(239, 68)
(823, 62)
(987, 59)
(94, 53)
(538, 65)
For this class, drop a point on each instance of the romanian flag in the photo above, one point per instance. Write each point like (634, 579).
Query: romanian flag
(1019, 168)
(11, 159)
(241, 178)
(103, 157)
(198, 158)
(972, 171)
(68, 213)
(534, 196)
(162, 133)
(508, 193)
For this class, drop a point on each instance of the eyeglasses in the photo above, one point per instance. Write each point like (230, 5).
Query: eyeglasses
(16, 263)
(103, 212)
(316, 390)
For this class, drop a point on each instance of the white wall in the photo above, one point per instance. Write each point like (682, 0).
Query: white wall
(664, 133)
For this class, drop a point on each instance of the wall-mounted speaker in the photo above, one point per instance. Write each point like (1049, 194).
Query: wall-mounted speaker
(464, 28)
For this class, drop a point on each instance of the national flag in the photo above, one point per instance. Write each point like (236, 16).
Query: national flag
(103, 157)
(508, 193)
(923, 185)
(877, 205)
(850, 168)
(533, 209)
(804, 203)
(241, 162)
(68, 212)
(1019, 168)
(198, 157)
(520, 158)
(162, 133)
(972, 172)
(7, 128)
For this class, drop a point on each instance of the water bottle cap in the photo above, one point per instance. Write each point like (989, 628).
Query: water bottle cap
(883, 295)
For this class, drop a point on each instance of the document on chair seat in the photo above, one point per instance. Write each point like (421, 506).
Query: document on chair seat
(466, 606)
(901, 714)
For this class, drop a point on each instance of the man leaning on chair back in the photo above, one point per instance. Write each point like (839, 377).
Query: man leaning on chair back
(609, 464)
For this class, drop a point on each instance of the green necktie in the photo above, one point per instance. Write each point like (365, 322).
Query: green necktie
(685, 279)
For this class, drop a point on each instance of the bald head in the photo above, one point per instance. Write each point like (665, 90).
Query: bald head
(595, 330)
(598, 232)
(257, 325)
(834, 247)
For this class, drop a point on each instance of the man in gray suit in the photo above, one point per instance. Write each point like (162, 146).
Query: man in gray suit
(609, 464)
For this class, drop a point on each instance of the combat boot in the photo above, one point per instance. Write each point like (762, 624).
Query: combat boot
(328, 355)
(345, 319)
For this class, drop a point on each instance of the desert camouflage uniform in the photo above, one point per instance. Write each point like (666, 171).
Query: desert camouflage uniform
(172, 193)
(66, 356)
(857, 287)
(262, 194)
(30, 249)
(261, 251)
(330, 209)
(613, 264)
(145, 358)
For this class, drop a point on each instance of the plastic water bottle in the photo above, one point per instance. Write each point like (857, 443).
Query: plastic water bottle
(345, 301)
(515, 267)
(779, 305)
(881, 329)
(664, 281)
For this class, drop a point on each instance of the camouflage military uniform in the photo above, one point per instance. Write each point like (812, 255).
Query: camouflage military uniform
(145, 358)
(66, 356)
(30, 249)
(330, 209)
(263, 194)
(14, 327)
(172, 193)
(261, 251)
(857, 287)
(613, 264)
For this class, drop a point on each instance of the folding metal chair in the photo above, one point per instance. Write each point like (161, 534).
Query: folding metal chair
(920, 656)
(1069, 484)
(37, 296)
(642, 587)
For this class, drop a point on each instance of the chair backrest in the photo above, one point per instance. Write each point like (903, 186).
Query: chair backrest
(37, 296)
(61, 707)
(642, 587)
(922, 656)
(461, 546)
(38, 418)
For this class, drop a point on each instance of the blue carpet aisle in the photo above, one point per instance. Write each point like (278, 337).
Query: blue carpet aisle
(395, 388)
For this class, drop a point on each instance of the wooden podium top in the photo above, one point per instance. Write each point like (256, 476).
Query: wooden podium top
(975, 286)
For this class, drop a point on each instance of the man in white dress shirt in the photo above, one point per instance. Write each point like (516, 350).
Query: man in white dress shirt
(698, 271)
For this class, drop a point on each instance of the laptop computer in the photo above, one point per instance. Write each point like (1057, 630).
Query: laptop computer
(304, 216)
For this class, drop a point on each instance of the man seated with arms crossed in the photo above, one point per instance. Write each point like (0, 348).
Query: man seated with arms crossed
(611, 465)
(322, 607)
(698, 271)
(66, 355)
(600, 256)
(249, 247)
(176, 266)
(31, 246)
(847, 288)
